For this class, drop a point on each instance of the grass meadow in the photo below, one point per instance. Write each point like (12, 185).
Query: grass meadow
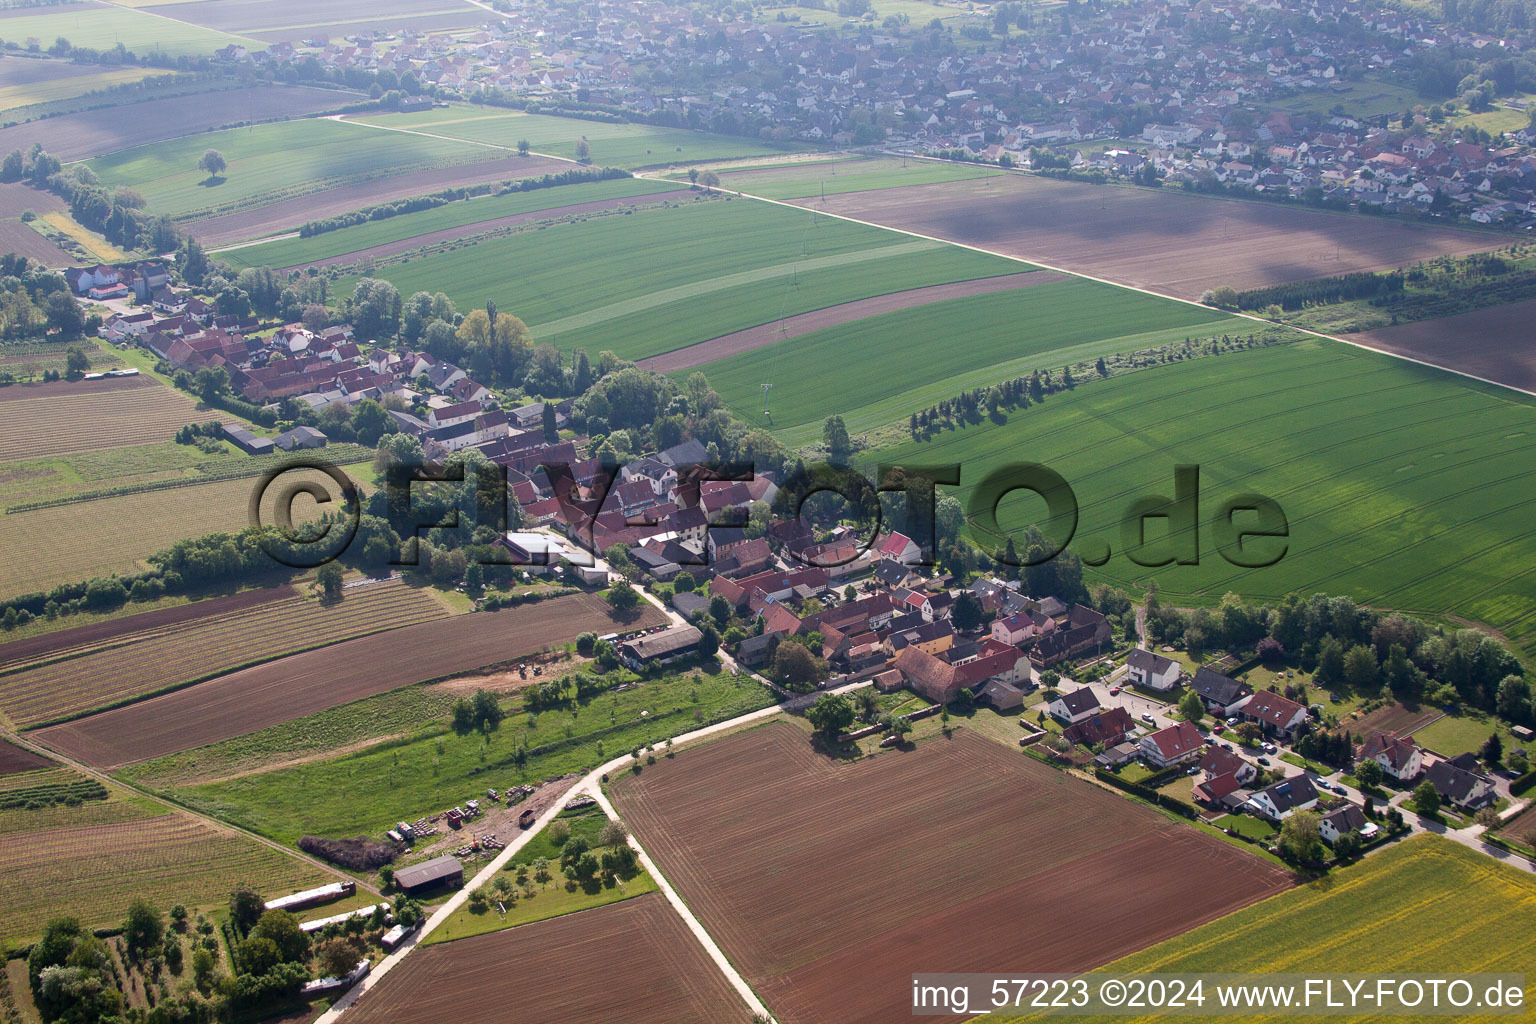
(291, 252)
(612, 145)
(1402, 486)
(1426, 904)
(273, 162)
(365, 791)
(103, 26)
(796, 181)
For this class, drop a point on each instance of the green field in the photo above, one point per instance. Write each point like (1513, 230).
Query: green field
(837, 176)
(291, 252)
(364, 792)
(1424, 905)
(103, 26)
(1403, 486)
(272, 162)
(612, 145)
(890, 366)
(662, 278)
(539, 902)
(1464, 733)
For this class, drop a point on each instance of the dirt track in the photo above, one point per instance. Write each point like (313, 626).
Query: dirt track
(627, 963)
(1166, 241)
(291, 213)
(378, 252)
(97, 632)
(830, 316)
(955, 856)
(289, 688)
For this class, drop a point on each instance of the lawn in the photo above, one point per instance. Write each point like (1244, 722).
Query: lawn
(1402, 486)
(365, 791)
(832, 177)
(1463, 733)
(103, 26)
(289, 252)
(662, 278)
(612, 145)
(1425, 903)
(535, 901)
(1247, 825)
(894, 364)
(272, 162)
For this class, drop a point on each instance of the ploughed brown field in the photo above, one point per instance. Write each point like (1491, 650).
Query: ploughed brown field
(290, 214)
(17, 198)
(302, 684)
(378, 252)
(108, 413)
(294, 21)
(20, 239)
(1493, 343)
(1161, 240)
(15, 759)
(1398, 719)
(80, 637)
(98, 132)
(829, 885)
(632, 962)
(751, 338)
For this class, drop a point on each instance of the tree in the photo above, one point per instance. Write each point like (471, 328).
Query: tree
(709, 642)
(583, 149)
(622, 597)
(834, 434)
(376, 309)
(795, 667)
(1369, 772)
(1493, 750)
(76, 362)
(523, 146)
(831, 714)
(499, 351)
(330, 579)
(613, 834)
(283, 929)
(338, 957)
(967, 612)
(245, 906)
(1299, 836)
(1426, 799)
(1347, 845)
(143, 929)
(213, 162)
(1360, 669)
(1191, 707)
(257, 955)
(551, 429)
(63, 314)
(720, 610)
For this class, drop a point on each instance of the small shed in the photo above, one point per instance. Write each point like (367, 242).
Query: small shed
(300, 438)
(430, 874)
(247, 441)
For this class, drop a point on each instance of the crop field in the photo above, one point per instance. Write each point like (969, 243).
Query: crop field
(301, 684)
(15, 760)
(122, 531)
(25, 82)
(834, 177)
(24, 240)
(1424, 901)
(626, 145)
(899, 362)
(1390, 476)
(1398, 719)
(132, 411)
(665, 277)
(1163, 240)
(1492, 343)
(91, 870)
(930, 864)
(1521, 828)
(89, 133)
(269, 163)
(290, 21)
(629, 963)
(71, 682)
(103, 26)
(423, 226)
(365, 790)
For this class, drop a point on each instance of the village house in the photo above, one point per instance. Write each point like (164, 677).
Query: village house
(1284, 798)
(1274, 714)
(1151, 671)
(1460, 782)
(1074, 707)
(1400, 757)
(1109, 727)
(1223, 695)
(1341, 821)
(1172, 745)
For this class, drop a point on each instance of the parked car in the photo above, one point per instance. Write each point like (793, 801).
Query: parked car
(1218, 728)
(1232, 720)
(1270, 748)
(1194, 769)
(1263, 761)
(1114, 691)
(1148, 719)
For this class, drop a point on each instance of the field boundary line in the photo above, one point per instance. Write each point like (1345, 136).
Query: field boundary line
(189, 24)
(342, 119)
(1130, 287)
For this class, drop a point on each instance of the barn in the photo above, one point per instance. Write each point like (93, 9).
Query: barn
(429, 874)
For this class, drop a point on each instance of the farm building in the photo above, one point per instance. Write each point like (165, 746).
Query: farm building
(247, 441)
(312, 897)
(429, 874)
(543, 552)
(300, 438)
(1153, 671)
(660, 648)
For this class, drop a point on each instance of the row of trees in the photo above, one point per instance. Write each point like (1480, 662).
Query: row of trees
(118, 213)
